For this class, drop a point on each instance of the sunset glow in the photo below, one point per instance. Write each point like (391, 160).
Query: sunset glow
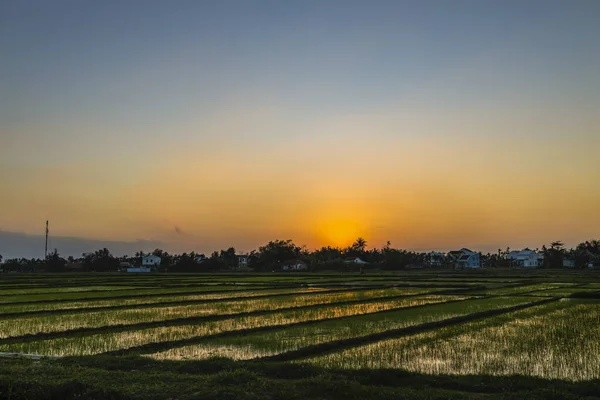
(216, 126)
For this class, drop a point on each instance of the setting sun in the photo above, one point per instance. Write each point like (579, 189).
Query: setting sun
(339, 232)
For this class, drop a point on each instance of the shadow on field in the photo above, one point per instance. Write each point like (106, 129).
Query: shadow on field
(143, 378)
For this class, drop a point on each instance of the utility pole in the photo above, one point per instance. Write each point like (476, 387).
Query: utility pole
(46, 249)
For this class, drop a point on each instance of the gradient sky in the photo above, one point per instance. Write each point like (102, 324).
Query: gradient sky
(205, 124)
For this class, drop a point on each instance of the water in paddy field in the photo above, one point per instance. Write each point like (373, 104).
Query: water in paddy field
(242, 322)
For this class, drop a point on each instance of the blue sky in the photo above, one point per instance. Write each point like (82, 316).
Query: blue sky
(275, 108)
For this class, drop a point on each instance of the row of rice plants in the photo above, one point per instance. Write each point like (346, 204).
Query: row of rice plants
(264, 279)
(541, 288)
(480, 279)
(67, 289)
(57, 323)
(332, 279)
(293, 277)
(137, 279)
(143, 301)
(110, 293)
(66, 279)
(112, 341)
(119, 279)
(279, 341)
(567, 291)
(559, 340)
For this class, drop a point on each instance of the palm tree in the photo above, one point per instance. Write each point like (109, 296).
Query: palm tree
(359, 245)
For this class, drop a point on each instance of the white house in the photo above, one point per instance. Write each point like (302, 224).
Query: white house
(354, 260)
(294, 265)
(150, 261)
(465, 258)
(525, 258)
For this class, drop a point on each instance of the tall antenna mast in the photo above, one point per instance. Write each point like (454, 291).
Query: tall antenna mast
(46, 249)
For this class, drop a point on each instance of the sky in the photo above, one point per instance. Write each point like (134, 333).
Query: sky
(199, 125)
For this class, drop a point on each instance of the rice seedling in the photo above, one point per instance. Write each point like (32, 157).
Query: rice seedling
(56, 323)
(110, 293)
(43, 290)
(278, 341)
(133, 302)
(560, 340)
(566, 291)
(541, 288)
(111, 341)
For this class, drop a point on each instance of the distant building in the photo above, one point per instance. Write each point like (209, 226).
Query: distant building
(593, 259)
(525, 258)
(354, 260)
(123, 265)
(242, 261)
(465, 258)
(568, 263)
(151, 261)
(200, 258)
(294, 265)
(594, 264)
(434, 259)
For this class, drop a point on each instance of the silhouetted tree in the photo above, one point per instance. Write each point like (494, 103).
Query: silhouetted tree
(276, 252)
(166, 260)
(327, 254)
(100, 261)
(585, 253)
(553, 256)
(359, 245)
(185, 263)
(357, 249)
(228, 258)
(54, 262)
(399, 259)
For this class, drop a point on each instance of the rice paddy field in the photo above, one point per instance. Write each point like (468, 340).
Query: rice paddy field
(449, 331)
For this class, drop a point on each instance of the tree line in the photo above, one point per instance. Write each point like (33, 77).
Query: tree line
(275, 253)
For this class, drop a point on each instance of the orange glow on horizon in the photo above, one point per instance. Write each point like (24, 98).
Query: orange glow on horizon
(339, 232)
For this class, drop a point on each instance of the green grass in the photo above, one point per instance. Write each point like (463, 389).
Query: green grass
(102, 378)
